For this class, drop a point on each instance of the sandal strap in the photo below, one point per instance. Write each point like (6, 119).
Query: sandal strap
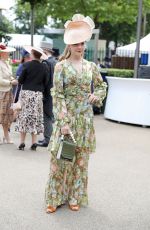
(50, 209)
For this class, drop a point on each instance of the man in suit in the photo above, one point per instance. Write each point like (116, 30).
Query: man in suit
(47, 98)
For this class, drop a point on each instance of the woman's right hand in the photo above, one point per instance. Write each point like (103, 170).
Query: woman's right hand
(65, 130)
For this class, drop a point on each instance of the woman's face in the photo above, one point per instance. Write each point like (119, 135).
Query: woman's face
(77, 49)
(4, 55)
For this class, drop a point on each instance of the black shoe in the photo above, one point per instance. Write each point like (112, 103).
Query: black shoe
(40, 141)
(33, 146)
(21, 146)
(43, 144)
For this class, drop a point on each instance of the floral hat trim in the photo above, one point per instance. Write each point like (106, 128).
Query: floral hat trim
(4, 48)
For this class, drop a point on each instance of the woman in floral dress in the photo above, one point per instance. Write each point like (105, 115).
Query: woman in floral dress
(34, 82)
(72, 104)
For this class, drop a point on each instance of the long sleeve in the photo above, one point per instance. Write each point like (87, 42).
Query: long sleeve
(19, 70)
(5, 76)
(3, 82)
(99, 85)
(22, 75)
(59, 105)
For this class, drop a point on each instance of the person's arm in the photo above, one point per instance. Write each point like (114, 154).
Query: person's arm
(4, 82)
(59, 105)
(22, 76)
(19, 70)
(99, 86)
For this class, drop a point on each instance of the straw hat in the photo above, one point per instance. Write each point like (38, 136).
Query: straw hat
(78, 30)
(30, 48)
(4, 48)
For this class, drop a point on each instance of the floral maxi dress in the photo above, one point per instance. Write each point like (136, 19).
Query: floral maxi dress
(68, 180)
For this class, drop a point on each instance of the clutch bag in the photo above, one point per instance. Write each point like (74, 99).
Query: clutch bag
(16, 106)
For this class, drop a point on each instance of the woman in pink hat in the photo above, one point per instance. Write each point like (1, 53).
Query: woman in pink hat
(72, 104)
(6, 96)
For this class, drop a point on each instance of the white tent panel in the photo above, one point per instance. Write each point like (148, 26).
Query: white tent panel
(129, 50)
(25, 39)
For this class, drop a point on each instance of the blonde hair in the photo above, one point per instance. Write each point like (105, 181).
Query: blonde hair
(66, 54)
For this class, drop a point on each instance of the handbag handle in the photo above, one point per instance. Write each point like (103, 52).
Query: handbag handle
(72, 136)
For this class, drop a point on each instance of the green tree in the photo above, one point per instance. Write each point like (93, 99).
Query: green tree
(120, 33)
(110, 10)
(116, 19)
(26, 17)
(100, 11)
(5, 28)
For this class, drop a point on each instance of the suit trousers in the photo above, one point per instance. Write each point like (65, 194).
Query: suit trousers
(48, 127)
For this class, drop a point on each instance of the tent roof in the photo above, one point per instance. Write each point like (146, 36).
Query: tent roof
(129, 50)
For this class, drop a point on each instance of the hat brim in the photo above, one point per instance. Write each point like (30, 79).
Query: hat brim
(48, 49)
(45, 45)
(76, 32)
(30, 48)
(7, 50)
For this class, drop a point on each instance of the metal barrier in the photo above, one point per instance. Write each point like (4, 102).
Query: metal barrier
(17, 54)
(124, 59)
(101, 55)
(89, 54)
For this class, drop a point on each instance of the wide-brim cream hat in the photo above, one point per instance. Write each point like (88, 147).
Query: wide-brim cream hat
(38, 49)
(6, 49)
(78, 30)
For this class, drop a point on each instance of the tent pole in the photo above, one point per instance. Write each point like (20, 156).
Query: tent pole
(136, 60)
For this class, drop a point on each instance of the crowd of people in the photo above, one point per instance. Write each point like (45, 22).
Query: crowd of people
(56, 100)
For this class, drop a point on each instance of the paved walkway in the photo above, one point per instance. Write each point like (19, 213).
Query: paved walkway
(119, 184)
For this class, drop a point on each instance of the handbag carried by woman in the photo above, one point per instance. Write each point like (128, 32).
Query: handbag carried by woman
(16, 106)
(67, 147)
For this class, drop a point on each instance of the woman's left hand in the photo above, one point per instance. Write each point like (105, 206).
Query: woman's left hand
(92, 98)
(65, 129)
(14, 82)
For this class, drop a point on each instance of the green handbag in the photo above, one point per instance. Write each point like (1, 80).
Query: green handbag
(67, 147)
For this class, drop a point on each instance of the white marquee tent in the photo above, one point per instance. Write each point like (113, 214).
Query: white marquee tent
(129, 50)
